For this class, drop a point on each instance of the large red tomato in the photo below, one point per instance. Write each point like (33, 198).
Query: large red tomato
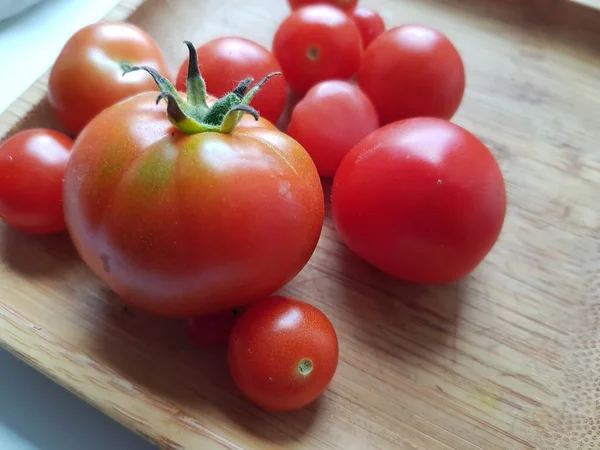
(317, 43)
(86, 77)
(282, 353)
(224, 62)
(32, 170)
(332, 117)
(412, 71)
(196, 222)
(421, 199)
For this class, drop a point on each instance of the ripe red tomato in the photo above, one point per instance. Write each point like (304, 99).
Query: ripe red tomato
(189, 223)
(421, 199)
(317, 43)
(225, 62)
(282, 353)
(32, 170)
(412, 71)
(330, 120)
(87, 76)
(346, 5)
(212, 330)
(369, 23)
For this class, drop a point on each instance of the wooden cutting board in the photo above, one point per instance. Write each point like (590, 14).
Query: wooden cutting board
(505, 359)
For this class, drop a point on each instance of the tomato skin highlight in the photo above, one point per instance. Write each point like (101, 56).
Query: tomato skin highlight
(317, 43)
(412, 71)
(369, 23)
(345, 5)
(226, 61)
(332, 118)
(282, 353)
(187, 225)
(422, 199)
(87, 76)
(32, 170)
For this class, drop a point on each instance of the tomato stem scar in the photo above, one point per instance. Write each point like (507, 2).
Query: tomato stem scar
(313, 53)
(305, 366)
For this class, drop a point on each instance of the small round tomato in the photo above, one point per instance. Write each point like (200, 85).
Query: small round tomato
(212, 330)
(224, 62)
(87, 76)
(421, 199)
(369, 23)
(193, 210)
(32, 170)
(332, 117)
(317, 43)
(346, 5)
(282, 353)
(412, 71)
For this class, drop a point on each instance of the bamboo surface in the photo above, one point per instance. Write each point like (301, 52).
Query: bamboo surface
(507, 359)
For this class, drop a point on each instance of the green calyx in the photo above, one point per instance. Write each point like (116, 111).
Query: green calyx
(194, 115)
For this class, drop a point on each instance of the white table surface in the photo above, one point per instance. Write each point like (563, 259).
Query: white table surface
(35, 412)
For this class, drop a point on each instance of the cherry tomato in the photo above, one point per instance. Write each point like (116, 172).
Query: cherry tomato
(346, 5)
(212, 330)
(317, 43)
(32, 170)
(282, 353)
(225, 62)
(412, 71)
(189, 214)
(87, 76)
(421, 199)
(330, 120)
(369, 23)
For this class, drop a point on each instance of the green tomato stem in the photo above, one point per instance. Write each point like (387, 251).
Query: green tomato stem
(194, 115)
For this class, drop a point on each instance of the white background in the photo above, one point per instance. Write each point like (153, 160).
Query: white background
(31, 41)
(36, 413)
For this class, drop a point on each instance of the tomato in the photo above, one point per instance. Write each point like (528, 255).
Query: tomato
(317, 43)
(212, 330)
(282, 353)
(412, 71)
(32, 170)
(225, 62)
(369, 23)
(421, 199)
(330, 120)
(191, 213)
(87, 76)
(346, 5)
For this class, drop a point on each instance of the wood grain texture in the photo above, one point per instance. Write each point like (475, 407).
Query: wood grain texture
(507, 359)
